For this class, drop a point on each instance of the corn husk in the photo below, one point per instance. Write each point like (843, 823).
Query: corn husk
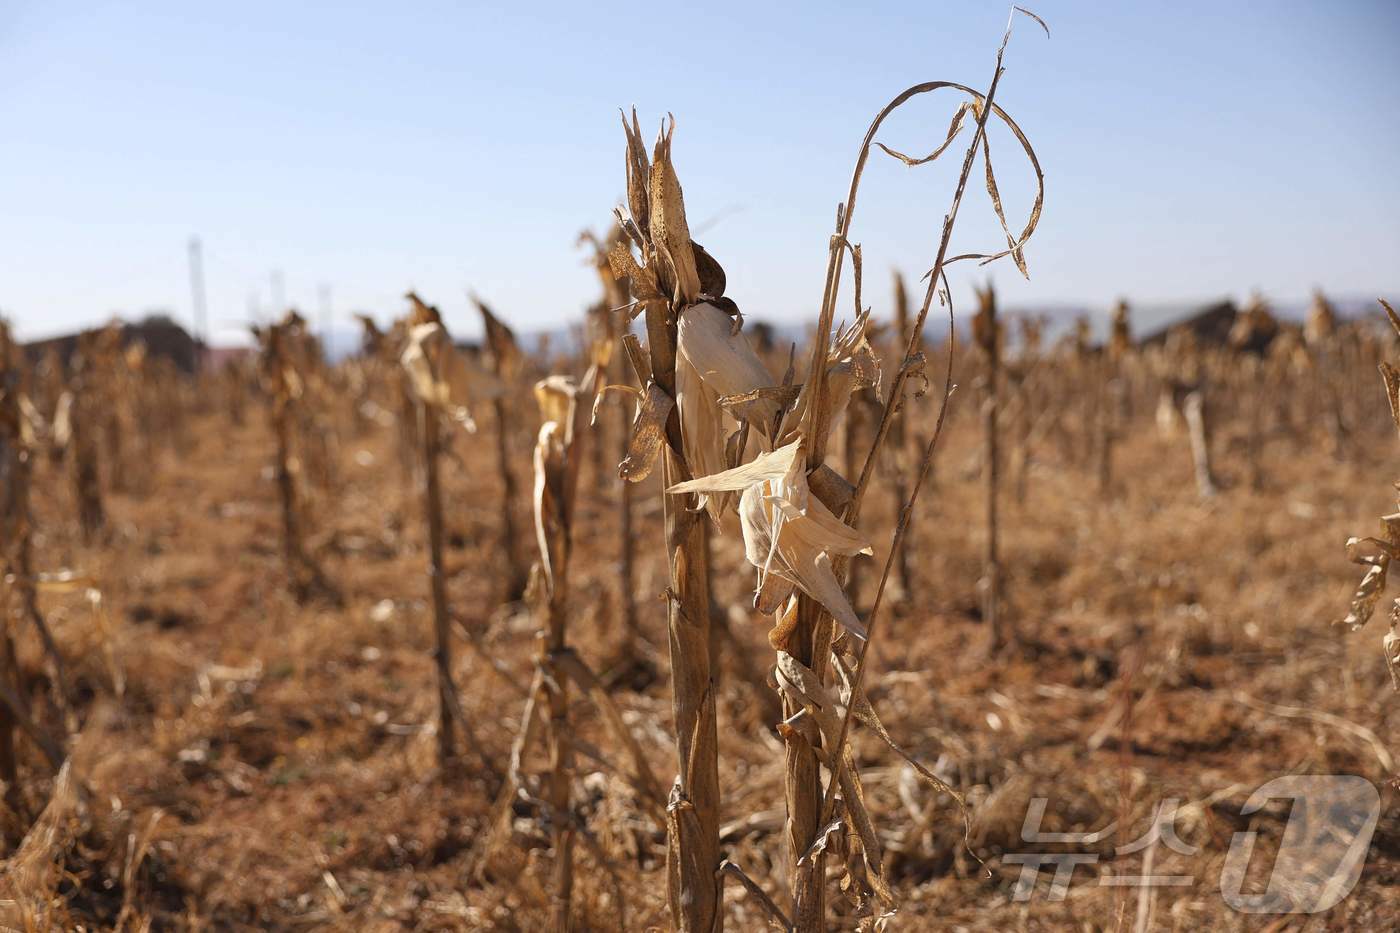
(670, 235)
(789, 535)
(713, 360)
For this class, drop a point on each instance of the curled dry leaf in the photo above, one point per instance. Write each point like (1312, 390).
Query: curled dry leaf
(756, 406)
(711, 273)
(789, 535)
(670, 236)
(712, 361)
(62, 431)
(804, 689)
(648, 434)
(602, 394)
(506, 357)
(31, 424)
(443, 378)
(624, 266)
(556, 396)
(1376, 554)
(851, 364)
(954, 128)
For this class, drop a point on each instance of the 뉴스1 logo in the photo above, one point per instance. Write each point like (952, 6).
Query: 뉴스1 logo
(1319, 861)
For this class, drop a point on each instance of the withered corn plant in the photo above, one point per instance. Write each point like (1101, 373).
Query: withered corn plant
(83, 418)
(1377, 554)
(107, 375)
(1182, 368)
(897, 464)
(800, 518)
(504, 359)
(18, 446)
(987, 334)
(1021, 372)
(673, 274)
(1113, 404)
(559, 452)
(604, 318)
(139, 402)
(439, 379)
(283, 346)
(557, 455)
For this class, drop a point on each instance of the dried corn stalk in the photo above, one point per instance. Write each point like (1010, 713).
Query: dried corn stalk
(506, 361)
(18, 447)
(665, 285)
(82, 421)
(988, 335)
(440, 381)
(282, 354)
(558, 458)
(604, 315)
(1376, 554)
(789, 513)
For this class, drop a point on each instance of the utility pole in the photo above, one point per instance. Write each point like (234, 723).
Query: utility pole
(197, 302)
(323, 293)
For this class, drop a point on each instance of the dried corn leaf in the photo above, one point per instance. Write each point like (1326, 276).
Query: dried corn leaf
(761, 468)
(865, 714)
(757, 405)
(788, 533)
(954, 128)
(1390, 645)
(824, 840)
(713, 361)
(670, 236)
(648, 434)
(1368, 593)
(712, 278)
(724, 359)
(31, 424)
(602, 394)
(556, 396)
(443, 378)
(62, 422)
(624, 266)
(638, 177)
(500, 339)
(549, 494)
(1391, 377)
(803, 687)
(995, 195)
(851, 363)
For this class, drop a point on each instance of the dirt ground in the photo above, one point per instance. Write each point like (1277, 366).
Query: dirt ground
(272, 765)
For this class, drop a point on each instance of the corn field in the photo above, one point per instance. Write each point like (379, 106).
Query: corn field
(687, 625)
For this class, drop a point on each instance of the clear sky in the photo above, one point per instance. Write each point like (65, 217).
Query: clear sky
(1190, 149)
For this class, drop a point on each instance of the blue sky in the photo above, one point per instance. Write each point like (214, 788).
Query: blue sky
(1190, 149)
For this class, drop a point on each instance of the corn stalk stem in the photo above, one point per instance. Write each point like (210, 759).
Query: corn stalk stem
(87, 482)
(429, 429)
(814, 627)
(626, 550)
(991, 567)
(811, 640)
(693, 888)
(519, 576)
